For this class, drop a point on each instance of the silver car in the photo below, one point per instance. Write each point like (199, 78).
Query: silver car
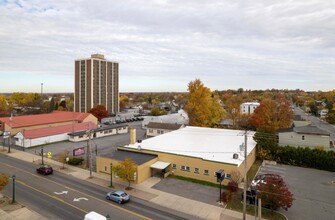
(118, 196)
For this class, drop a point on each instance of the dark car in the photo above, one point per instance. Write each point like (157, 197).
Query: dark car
(45, 170)
(118, 196)
(251, 197)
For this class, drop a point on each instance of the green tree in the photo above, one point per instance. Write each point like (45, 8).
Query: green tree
(99, 111)
(313, 109)
(157, 111)
(126, 170)
(4, 179)
(202, 109)
(330, 117)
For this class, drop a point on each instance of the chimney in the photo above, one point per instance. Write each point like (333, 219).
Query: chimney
(132, 135)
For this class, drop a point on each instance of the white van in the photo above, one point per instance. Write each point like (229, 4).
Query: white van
(94, 216)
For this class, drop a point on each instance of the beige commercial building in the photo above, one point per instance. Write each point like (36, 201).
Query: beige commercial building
(96, 83)
(192, 152)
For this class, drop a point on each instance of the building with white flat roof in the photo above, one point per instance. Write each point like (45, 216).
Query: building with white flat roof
(196, 152)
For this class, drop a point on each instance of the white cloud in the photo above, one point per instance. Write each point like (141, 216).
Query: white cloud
(162, 45)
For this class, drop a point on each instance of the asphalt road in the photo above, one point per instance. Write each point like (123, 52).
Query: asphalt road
(317, 122)
(60, 196)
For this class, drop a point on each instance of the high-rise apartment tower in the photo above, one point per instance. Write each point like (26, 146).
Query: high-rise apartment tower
(96, 83)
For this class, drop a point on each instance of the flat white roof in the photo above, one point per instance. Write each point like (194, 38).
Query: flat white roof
(210, 144)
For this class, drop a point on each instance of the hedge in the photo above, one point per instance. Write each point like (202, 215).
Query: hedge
(304, 157)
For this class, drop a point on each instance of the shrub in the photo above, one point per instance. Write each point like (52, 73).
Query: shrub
(226, 196)
(232, 186)
(76, 161)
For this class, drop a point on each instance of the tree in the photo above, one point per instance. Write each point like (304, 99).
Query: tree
(202, 109)
(62, 157)
(157, 111)
(233, 109)
(330, 117)
(313, 109)
(216, 112)
(271, 115)
(274, 193)
(4, 179)
(126, 170)
(99, 111)
(63, 105)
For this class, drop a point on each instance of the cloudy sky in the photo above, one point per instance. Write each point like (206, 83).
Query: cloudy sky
(162, 45)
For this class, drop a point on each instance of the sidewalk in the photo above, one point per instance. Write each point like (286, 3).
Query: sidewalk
(144, 191)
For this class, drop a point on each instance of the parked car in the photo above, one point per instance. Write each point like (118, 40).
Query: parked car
(251, 197)
(262, 178)
(118, 196)
(45, 170)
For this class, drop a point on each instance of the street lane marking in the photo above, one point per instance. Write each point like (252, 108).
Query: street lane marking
(78, 200)
(60, 193)
(69, 188)
(53, 197)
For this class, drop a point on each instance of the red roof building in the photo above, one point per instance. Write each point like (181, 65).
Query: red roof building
(17, 124)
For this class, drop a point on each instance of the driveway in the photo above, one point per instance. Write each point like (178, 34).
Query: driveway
(313, 191)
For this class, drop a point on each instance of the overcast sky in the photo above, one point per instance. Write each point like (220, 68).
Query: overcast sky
(162, 45)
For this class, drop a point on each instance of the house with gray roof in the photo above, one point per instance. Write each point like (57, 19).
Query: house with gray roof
(157, 128)
(304, 136)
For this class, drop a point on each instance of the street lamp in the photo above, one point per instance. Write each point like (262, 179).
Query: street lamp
(111, 175)
(13, 177)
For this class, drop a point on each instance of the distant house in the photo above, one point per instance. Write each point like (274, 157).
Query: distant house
(157, 128)
(176, 118)
(304, 136)
(41, 136)
(248, 107)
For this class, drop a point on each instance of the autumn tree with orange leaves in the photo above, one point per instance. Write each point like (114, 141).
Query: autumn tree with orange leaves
(272, 114)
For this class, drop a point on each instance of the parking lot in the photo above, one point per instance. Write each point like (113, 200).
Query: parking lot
(313, 191)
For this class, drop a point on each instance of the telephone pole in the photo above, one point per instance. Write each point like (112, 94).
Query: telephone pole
(245, 176)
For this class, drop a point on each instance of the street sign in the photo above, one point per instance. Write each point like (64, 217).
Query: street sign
(49, 155)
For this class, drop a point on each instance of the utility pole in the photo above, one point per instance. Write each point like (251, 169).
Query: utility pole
(89, 152)
(245, 176)
(10, 133)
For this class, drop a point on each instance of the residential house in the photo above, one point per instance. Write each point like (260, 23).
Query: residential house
(304, 136)
(176, 118)
(248, 107)
(157, 128)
